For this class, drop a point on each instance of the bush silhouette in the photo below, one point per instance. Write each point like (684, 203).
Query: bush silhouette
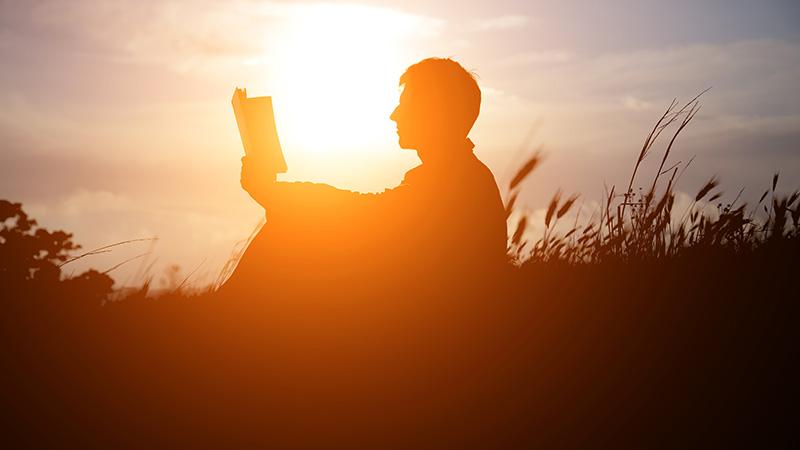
(640, 323)
(31, 258)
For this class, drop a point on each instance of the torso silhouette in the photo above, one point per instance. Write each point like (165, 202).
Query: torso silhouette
(444, 224)
(358, 309)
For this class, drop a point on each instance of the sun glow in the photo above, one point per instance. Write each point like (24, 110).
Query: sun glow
(336, 78)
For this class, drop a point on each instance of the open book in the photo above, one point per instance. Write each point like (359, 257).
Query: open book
(257, 129)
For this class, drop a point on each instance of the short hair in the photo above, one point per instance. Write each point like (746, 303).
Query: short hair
(449, 87)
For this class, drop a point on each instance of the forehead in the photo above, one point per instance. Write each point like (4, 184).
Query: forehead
(407, 93)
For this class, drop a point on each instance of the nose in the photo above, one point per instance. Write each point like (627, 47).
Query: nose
(393, 116)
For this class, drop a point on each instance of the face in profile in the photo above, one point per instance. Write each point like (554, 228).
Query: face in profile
(419, 120)
(438, 106)
(403, 115)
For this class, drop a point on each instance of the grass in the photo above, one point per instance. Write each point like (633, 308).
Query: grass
(632, 225)
(642, 224)
(626, 325)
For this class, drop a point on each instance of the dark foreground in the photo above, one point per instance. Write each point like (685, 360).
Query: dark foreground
(694, 351)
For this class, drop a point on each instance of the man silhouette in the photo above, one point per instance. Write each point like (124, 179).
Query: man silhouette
(363, 316)
(444, 223)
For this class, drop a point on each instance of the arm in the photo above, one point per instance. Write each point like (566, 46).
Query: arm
(295, 199)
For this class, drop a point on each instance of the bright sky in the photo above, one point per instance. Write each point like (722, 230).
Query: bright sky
(115, 117)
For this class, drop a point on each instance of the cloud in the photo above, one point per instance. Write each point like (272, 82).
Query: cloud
(535, 58)
(635, 103)
(502, 22)
(83, 202)
(101, 217)
(597, 109)
(203, 36)
(183, 35)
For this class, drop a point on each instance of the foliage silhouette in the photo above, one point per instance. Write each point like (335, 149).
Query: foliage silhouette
(31, 258)
(641, 325)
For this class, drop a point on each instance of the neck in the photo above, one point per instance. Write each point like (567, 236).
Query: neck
(445, 151)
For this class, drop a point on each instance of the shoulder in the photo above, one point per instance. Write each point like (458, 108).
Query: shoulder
(412, 175)
(482, 169)
(477, 173)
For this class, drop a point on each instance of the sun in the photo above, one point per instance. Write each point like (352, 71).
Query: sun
(336, 80)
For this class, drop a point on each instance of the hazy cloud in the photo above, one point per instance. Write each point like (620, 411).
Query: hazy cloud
(502, 22)
(636, 103)
(116, 122)
(202, 36)
(596, 110)
(536, 57)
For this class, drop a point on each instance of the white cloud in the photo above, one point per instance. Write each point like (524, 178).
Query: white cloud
(205, 36)
(84, 202)
(502, 22)
(188, 237)
(21, 117)
(636, 103)
(764, 124)
(596, 111)
(536, 57)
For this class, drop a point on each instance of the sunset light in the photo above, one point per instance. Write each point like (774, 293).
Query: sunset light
(228, 225)
(336, 80)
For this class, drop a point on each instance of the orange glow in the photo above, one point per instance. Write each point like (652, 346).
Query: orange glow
(336, 78)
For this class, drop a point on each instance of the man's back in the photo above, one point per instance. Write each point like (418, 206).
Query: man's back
(442, 220)
(444, 224)
(457, 217)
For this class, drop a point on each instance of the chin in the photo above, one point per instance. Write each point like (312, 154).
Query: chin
(404, 144)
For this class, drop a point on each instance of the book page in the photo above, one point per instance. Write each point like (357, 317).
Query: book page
(256, 122)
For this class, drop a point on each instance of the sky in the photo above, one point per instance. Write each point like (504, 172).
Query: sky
(116, 123)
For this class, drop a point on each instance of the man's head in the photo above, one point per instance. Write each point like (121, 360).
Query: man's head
(438, 106)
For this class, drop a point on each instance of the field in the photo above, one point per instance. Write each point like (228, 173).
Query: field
(639, 326)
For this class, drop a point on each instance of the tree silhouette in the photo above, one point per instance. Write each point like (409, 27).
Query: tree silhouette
(31, 256)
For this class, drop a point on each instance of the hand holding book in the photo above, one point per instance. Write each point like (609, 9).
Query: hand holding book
(256, 122)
